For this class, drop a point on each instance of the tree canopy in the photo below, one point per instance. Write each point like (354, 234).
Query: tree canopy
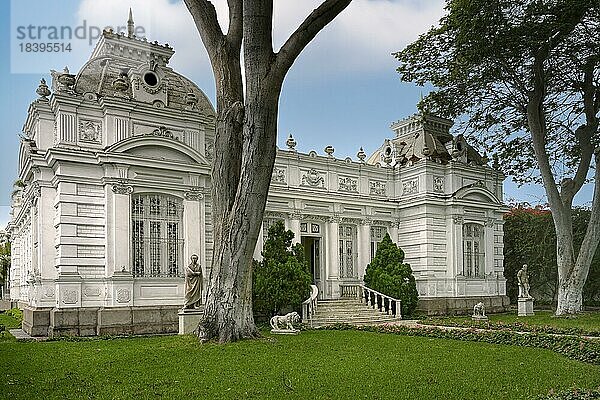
(484, 60)
(524, 77)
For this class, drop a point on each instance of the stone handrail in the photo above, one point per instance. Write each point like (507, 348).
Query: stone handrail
(349, 290)
(373, 298)
(309, 306)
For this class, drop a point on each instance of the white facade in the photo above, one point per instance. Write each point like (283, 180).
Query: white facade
(117, 198)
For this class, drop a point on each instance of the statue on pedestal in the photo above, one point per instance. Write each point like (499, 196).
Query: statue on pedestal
(525, 301)
(283, 324)
(523, 281)
(479, 312)
(193, 284)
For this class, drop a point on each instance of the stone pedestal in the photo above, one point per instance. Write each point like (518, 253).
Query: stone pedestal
(189, 319)
(479, 317)
(525, 306)
(285, 331)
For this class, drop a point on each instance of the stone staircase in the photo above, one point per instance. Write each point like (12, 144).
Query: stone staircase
(348, 311)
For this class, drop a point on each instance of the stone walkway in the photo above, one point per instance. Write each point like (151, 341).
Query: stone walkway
(20, 334)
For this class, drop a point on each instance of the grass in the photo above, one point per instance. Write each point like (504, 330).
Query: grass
(588, 322)
(312, 365)
(7, 322)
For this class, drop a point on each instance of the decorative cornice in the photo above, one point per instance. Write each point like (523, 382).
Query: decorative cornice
(296, 215)
(161, 132)
(355, 221)
(379, 222)
(275, 214)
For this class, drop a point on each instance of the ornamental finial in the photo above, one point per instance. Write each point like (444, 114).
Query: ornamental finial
(361, 155)
(130, 24)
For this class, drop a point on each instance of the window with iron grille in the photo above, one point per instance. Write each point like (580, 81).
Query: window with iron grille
(377, 235)
(267, 223)
(157, 235)
(473, 250)
(347, 244)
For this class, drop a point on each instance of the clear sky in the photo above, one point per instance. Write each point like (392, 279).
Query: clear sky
(342, 91)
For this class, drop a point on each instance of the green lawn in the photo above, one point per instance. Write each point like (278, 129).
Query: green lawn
(588, 322)
(312, 365)
(7, 322)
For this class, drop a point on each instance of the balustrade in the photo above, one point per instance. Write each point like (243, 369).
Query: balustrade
(380, 301)
(309, 306)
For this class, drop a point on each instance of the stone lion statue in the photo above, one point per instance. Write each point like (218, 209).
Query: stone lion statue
(278, 321)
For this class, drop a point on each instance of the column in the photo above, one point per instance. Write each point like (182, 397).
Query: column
(118, 266)
(202, 227)
(191, 228)
(332, 266)
(295, 227)
(259, 245)
(455, 259)
(46, 241)
(394, 231)
(68, 282)
(364, 247)
(118, 231)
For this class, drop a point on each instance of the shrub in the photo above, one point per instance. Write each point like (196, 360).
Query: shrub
(572, 394)
(530, 238)
(581, 349)
(388, 274)
(15, 313)
(281, 281)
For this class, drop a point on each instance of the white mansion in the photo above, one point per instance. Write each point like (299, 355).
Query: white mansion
(116, 198)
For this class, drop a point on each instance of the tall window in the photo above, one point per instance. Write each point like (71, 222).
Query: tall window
(267, 223)
(347, 246)
(377, 235)
(473, 250)
(157, 235)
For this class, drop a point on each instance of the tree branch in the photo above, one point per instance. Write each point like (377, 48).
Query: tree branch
(584, 135)
(258, 33)
(536, 119)
(592, 234)
(235, 31)
(205, 17)
(312, 25)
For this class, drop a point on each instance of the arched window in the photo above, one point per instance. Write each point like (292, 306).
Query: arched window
(473, 250)
(157, 235)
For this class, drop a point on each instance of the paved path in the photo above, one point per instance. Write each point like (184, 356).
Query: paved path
(20, 334)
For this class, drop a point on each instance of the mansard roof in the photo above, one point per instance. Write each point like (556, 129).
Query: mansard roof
(125, 66)
(425, 136)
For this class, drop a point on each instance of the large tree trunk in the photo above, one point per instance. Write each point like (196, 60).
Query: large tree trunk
(572, 268)
(228, 309)
(245, 146)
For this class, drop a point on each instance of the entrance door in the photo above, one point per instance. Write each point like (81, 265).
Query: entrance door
(312, 254)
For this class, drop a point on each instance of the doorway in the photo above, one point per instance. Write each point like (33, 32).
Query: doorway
(312, 254)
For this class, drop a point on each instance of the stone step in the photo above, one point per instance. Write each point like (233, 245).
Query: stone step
(352, 321)
(353, 315)
(318, 323)
(350, 311)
